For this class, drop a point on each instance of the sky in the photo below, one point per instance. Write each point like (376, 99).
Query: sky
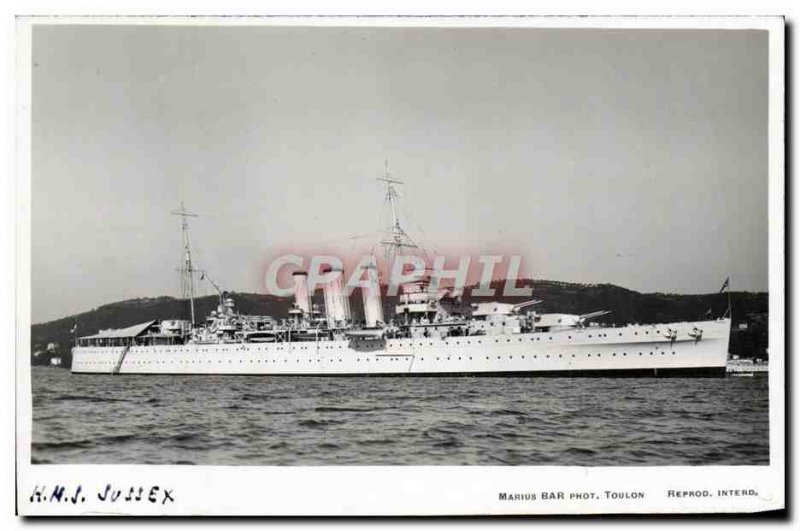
(635, 157)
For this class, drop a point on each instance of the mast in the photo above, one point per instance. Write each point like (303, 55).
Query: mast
(187, 270)
(397, 236)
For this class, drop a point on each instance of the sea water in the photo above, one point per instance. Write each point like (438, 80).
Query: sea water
(264, 420)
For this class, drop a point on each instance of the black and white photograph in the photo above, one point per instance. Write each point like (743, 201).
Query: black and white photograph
(362, 244)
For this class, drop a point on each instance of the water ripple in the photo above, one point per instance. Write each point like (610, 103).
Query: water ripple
(397, 421)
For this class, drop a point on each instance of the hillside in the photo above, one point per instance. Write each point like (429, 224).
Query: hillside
(627, 306)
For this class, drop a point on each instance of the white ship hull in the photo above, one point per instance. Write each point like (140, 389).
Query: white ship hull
(629, 350)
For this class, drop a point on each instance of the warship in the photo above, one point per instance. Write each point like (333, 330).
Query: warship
(429, 333)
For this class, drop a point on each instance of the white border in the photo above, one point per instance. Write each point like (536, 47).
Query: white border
(410, 490)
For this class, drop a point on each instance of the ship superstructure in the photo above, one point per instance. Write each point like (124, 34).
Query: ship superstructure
(429, 332)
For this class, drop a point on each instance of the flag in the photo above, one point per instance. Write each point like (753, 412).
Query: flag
(74, 327)
(202, 275)
(725, 284)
